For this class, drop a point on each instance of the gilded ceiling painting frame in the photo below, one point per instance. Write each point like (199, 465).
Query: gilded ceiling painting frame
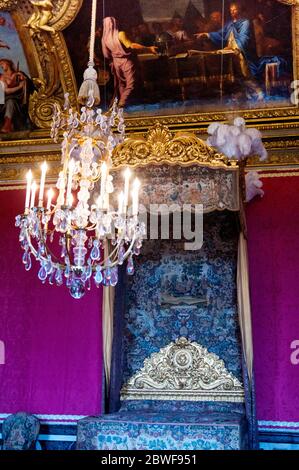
(47, 56)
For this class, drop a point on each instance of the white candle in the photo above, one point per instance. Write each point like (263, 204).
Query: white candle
(42, 184)
(50, 197)
(69, 198)
(104, 174)
(120, 203)
(99, 203)
(135, 197)
(61, 187)
(33, 192)
(28, 191)
(106, 202)
(127, 186)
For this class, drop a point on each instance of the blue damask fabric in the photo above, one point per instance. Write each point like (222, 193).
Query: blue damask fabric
(164, 267)
(162, 431)
(20, 431)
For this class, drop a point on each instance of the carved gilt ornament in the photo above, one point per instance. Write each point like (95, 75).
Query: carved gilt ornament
(40, 24)
(161, 146)
(183, 370)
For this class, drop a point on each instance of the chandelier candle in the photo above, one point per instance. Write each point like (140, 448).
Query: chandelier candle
(42, 184)
(135, 197)
(28, 191)
(33, 192)
(127, 186)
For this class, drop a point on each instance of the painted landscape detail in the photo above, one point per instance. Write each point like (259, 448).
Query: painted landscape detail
(166, 56)
(15, 84)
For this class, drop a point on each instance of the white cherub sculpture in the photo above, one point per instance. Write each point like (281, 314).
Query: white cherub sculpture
(236, 141)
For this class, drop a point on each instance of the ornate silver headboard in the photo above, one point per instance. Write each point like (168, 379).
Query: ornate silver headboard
(183, 370)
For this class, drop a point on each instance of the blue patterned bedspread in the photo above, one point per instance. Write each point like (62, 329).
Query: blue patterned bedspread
(162, 431)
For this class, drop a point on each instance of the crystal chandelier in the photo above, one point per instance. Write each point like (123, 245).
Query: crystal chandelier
(80, 236)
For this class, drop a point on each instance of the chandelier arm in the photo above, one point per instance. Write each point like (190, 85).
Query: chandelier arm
(126, 255)
(41, 257)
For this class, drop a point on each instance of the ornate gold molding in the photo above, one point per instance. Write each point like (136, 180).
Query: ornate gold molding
(53, 15)
(183, 370)
(277, 117)
(64, 13)
(161, 146)
(47, 55)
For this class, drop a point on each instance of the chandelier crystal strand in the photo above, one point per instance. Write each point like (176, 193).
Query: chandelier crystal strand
(68, 237)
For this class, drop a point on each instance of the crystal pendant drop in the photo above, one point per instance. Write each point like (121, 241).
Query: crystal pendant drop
(67, 271)
(121, 255)
(95, 252)
(89, 270)
(49, 266)
(114, 277)
(108, 273)
(52, 278)
(77, 288)
(98, 275)
(28, 265)
(25, 258)
(130, 267)
(42, 274)
(58, 277)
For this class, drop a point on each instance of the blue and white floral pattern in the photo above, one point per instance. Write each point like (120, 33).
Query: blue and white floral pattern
(20, 431)
(164, 267)
(161, 431)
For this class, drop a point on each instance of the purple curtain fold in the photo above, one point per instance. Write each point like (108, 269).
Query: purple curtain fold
(53, 343)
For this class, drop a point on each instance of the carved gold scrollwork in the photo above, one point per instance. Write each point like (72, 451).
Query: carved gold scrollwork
(64, 13)
(161, 146)
(52, 16)
(183, 370)
(47, 55)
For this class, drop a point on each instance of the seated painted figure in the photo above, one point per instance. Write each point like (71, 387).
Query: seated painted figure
(176, 380)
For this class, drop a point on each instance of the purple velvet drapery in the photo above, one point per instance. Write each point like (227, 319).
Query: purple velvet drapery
(273, 241)
(53, 343)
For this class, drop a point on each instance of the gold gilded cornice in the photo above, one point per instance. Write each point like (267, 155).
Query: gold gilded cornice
(161, 146)
(280, 118)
